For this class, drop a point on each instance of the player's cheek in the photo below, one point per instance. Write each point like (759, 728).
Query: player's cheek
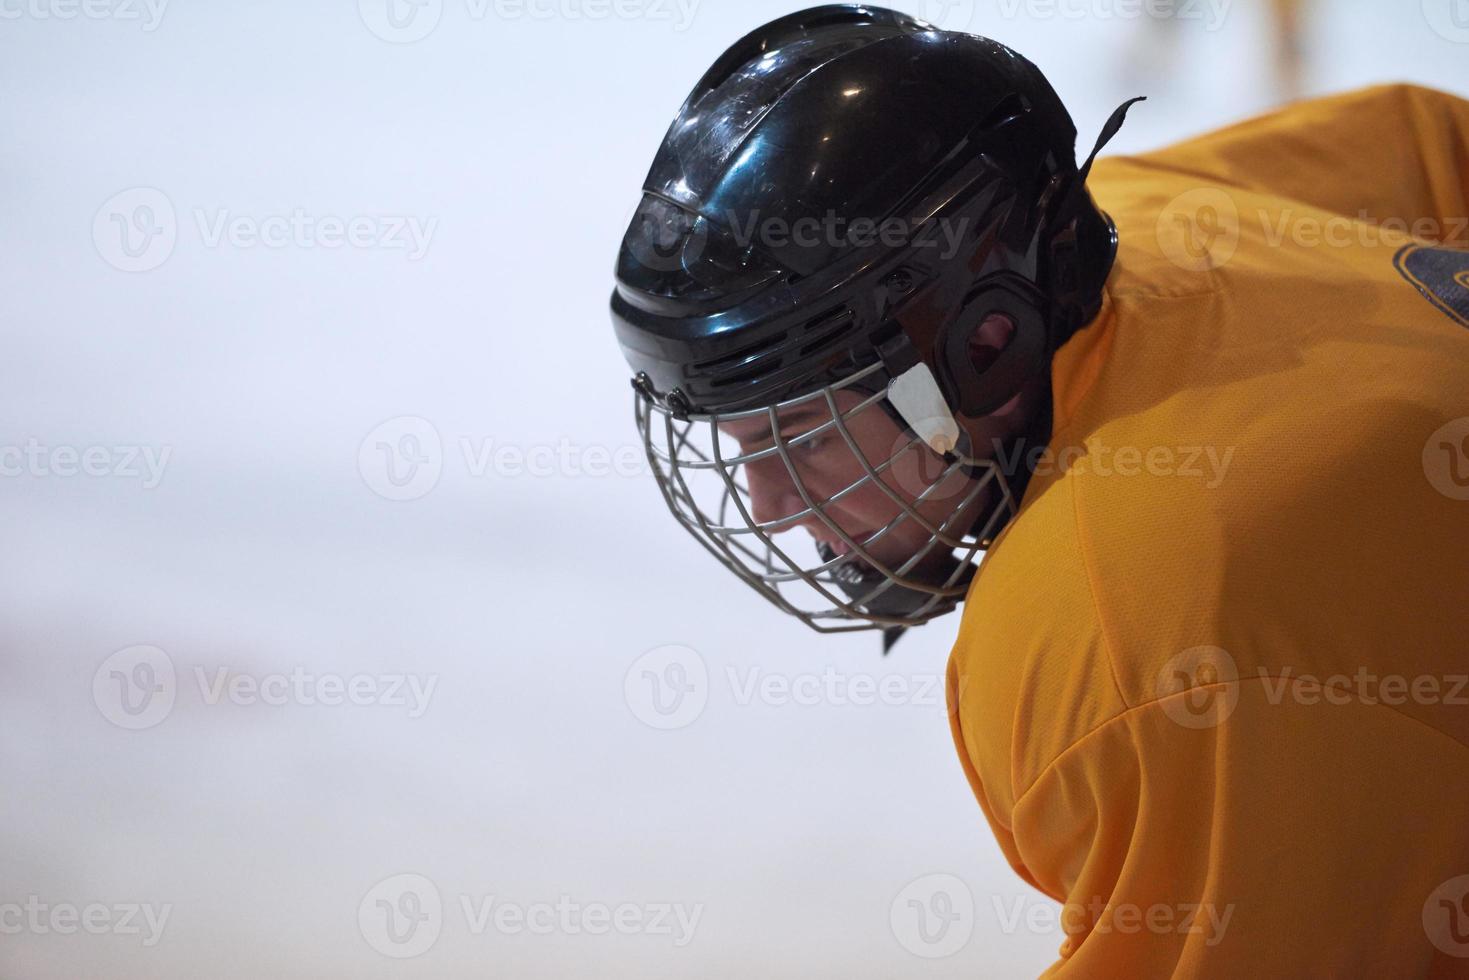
(912, 473)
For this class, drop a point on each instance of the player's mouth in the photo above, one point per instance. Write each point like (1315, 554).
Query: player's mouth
(828, 541)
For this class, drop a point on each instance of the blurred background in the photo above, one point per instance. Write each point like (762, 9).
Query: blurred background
(343, 632)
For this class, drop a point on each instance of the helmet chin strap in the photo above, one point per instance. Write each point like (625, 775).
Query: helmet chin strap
(857, 579)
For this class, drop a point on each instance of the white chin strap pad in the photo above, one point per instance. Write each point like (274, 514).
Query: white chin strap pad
(916, 396)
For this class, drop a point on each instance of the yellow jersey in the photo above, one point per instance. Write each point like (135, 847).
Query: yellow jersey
(1211, 685)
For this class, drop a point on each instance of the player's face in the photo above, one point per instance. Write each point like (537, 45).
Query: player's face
(826, 465)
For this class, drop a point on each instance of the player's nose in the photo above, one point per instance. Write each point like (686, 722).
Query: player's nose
(773, 494)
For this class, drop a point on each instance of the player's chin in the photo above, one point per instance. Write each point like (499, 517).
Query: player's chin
(890, 553)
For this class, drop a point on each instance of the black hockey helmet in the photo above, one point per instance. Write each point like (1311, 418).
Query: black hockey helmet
(843, 197)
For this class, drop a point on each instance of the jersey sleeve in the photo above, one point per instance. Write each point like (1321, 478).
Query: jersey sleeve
(1291, 837)
(1389, 152)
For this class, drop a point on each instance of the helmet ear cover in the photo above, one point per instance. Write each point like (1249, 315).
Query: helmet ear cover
(973, 391)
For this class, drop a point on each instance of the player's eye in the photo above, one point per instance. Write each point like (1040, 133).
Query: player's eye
(812, 444)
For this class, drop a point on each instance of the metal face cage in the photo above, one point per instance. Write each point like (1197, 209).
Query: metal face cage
(896, 529)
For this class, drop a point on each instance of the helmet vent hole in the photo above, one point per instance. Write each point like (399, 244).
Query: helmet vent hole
(824, 322)
(822, 330)
(1006, 111)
